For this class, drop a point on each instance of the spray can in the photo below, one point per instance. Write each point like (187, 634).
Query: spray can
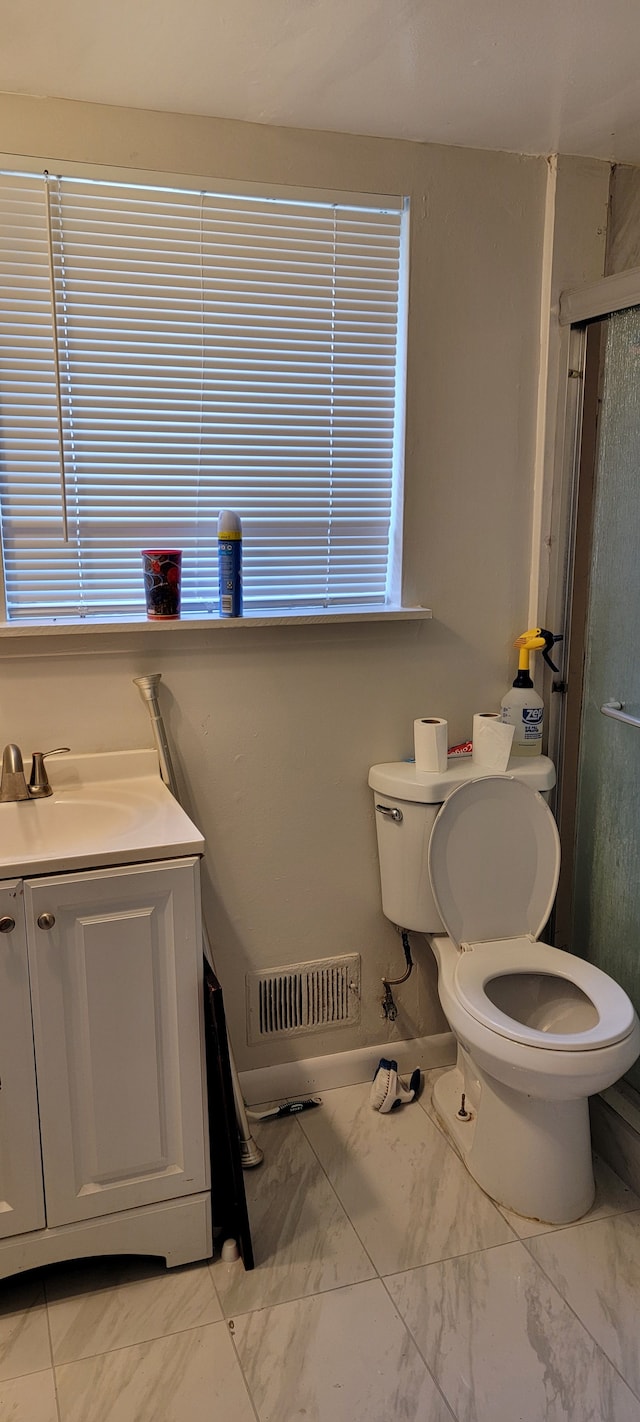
(230, 563)
(521, 707)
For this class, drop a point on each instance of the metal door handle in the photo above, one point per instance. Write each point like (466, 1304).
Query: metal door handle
(46, 920)
(615, 711)
(7, 924)
(391, 814)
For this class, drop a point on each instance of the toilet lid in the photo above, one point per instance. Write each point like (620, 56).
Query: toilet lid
(494, 861)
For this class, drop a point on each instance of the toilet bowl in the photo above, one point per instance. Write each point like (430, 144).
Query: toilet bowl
(538, 1030)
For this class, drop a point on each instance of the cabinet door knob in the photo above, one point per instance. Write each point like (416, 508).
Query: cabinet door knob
(46, 920)
(7, 924)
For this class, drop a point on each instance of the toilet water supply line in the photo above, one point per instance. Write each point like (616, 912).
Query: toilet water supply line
(250, 1153)
(389, 1009)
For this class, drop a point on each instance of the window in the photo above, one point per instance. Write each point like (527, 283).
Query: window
(168, 352)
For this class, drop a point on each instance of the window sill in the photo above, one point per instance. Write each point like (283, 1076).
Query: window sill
(70, 626)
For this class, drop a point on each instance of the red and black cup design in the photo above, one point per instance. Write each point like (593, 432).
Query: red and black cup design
(162, 569)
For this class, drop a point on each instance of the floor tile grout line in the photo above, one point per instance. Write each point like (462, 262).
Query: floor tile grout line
(236, 1353)
(50, 1337)
(32, 1373)
(579, 1320)
(335, 1192)
(199, 1265)
(414, 1340)
(144, 1343)
(571, 1224)
(300, 1298)
(450, 1258)
(140, 1343)
(209, 1266)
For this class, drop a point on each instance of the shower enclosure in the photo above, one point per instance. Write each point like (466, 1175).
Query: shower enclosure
(603, 756)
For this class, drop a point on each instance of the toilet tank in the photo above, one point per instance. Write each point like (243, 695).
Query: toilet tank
(406, 804)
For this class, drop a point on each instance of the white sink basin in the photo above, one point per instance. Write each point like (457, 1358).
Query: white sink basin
(111, 808)
(69, 819)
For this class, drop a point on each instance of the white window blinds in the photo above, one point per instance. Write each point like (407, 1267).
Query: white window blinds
(214, 352)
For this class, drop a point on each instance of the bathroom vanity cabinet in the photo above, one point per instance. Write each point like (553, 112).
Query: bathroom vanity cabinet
(103, 1121)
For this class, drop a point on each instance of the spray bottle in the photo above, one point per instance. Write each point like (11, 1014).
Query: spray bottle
(522, 707)
(230, 563)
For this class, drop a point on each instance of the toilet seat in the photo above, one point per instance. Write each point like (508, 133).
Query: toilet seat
(494, 862)
(488, 961)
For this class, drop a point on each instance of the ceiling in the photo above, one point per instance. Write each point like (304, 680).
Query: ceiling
(533, 76)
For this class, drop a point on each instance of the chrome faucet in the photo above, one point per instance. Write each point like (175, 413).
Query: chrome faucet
(13, 785)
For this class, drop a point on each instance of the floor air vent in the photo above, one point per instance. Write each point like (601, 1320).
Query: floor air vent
(303, 997)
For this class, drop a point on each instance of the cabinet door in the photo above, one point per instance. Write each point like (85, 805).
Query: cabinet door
(117, 1009)
(21, 1196)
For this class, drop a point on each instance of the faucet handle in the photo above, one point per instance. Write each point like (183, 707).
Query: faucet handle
(38, 780)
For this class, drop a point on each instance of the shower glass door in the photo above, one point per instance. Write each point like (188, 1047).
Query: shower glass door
(606, 900)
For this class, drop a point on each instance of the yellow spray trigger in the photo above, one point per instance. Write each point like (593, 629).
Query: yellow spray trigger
(537, 639)
(531, 641)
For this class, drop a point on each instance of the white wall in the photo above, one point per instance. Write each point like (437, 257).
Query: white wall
(623, 238)
(275, 728)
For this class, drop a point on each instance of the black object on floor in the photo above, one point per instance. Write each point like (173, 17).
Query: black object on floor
(228, 1199)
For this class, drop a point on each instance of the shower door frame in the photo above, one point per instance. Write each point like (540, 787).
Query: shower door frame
(583, 311)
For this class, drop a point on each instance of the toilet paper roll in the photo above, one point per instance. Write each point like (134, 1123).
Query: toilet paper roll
(431, 742)
(491, 742)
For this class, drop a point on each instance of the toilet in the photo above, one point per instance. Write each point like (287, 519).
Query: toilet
(472, 860)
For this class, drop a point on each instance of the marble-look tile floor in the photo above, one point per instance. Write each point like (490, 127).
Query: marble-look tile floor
(388, 1288)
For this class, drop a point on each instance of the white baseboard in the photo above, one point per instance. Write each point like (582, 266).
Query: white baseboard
(313, 1074)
